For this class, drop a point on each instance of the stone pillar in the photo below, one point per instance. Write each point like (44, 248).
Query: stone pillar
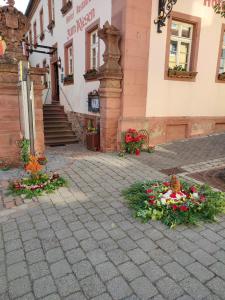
(13, 26)
(110, 76)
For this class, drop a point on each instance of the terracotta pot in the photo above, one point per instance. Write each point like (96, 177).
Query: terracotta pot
(93, 141)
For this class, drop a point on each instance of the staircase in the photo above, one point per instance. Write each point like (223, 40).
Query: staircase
(57, 128)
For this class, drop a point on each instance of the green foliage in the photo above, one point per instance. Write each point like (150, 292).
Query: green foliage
(24, 145)
(220, 9)
(206, 211)
(178, 68)
(33, 188)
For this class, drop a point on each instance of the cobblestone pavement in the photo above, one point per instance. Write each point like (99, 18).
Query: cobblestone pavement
(82, 242)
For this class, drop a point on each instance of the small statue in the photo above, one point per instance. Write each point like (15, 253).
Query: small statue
(175, 184)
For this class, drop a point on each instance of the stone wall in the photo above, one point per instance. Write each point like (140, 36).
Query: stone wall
(79, 123)
(10, 117)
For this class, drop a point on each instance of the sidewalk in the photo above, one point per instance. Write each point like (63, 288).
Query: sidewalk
(83, 243)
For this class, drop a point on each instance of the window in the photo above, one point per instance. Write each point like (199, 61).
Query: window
(51, 10)
(180, 45)
(30, 36)
(69, 62)
(94, 50)
(42, 24)
(222, 58)
(35, 32)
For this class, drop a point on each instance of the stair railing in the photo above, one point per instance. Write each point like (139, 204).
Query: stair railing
(70, 105)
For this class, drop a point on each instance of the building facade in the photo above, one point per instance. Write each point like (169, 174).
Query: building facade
(173, 82)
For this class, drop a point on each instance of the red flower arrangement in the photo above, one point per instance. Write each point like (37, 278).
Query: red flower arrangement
(133, 141)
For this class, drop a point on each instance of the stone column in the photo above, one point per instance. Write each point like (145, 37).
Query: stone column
(110, 76)
(13, 26)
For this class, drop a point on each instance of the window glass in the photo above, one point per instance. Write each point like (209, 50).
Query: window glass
(70, 60)
(94, 50)
(180, 45)
(222, 60)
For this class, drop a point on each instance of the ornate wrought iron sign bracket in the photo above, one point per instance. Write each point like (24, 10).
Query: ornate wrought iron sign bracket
(165, 9)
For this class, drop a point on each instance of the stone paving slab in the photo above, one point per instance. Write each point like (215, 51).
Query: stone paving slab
(83, 243)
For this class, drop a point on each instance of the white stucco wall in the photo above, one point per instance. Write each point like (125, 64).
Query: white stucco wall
(78, 92)
(204, 97)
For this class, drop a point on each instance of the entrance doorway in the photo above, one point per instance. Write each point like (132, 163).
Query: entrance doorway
(55, 81)
(55, 75)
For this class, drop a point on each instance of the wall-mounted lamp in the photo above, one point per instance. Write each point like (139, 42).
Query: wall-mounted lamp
(59, 62)
(164, 12)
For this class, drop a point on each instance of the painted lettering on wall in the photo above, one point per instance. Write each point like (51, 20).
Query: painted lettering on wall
(83, 4)
(212, 3)
(81, 23)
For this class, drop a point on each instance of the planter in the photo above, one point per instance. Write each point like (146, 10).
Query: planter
(181, 74)
(51, 25)
(42, 36)
(68, 80)
(91, 75)
(93, 141)
(66, 7)
(221, 76)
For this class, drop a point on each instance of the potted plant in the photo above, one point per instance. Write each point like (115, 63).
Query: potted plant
(180, 72)
(51, 25)
(92, 137)
(68, 79)
(221, 76)
(66, 7)
(91, 74)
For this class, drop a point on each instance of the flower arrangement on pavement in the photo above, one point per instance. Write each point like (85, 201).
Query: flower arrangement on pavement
(133, 141)
(37, 182)
(174, 202)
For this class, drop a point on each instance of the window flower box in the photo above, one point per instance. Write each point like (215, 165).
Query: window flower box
(68, 79)
(91, 74)
(182, 74)
(42, 36)
(51, 25)
(221, 76)
(66, 7)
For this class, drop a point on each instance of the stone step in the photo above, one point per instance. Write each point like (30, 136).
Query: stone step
(61, 141)
(50, 135)
(55, 117)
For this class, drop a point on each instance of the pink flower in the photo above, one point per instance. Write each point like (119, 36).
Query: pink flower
(166, 184)
(202, 198)
(193, 189)
(151, 202)
(137, 152)
(174, 207)
(184, 208)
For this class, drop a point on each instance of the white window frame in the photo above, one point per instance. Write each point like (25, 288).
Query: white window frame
(179, 39)
(53, 9)
(92, 47)
(70, 59)
(223, 48)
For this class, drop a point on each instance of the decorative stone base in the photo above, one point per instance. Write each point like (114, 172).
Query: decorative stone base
(79, 123)
(167, 129)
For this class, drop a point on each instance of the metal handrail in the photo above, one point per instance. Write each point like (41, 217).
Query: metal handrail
(68, 102)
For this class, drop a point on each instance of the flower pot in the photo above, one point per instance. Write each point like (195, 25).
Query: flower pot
(181, 74)
(93, 141)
